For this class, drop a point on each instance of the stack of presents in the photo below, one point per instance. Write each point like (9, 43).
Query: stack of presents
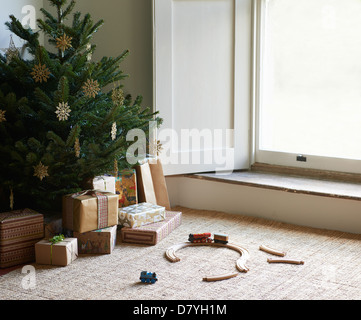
(133, 205)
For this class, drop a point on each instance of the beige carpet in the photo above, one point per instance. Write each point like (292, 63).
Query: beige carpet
(332, 268)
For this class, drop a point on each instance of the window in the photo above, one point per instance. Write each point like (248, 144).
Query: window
(308, 95)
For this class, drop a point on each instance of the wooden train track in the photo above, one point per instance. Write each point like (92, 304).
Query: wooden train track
(240, 263)
(291, 261)
(272, 251)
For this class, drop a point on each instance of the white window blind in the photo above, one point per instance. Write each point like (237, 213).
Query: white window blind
(202, 54)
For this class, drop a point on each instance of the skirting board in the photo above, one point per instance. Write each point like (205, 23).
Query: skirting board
(300, 209)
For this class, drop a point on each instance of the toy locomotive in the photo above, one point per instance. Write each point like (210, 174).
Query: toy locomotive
(200, 237)
(148, 277)
(206, 237)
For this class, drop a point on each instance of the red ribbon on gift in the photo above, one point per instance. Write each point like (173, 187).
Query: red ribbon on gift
(102, 210)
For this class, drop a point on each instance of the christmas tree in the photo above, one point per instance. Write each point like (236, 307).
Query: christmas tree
(59, 124)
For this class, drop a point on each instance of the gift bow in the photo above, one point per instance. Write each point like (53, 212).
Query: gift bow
(57, 239)
(102, 206)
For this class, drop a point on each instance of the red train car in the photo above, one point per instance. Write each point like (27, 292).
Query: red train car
(200, 237)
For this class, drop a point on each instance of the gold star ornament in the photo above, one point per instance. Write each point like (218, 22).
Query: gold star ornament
(2, 116)
(91, 88)
(40, 73)
(63, 111)
(63, 42)
(41, 171)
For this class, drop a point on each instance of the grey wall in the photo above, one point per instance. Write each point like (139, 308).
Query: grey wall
(128, 25)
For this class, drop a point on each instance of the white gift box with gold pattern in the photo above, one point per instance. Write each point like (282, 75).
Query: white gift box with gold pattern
(140, 214)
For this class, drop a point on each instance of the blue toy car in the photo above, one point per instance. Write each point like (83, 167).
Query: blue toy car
(148, 277)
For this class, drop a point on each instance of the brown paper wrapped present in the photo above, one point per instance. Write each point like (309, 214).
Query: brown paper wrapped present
(145, 184)
(152, 187)
(19, 231)
(152, 234)
(98, 241)
(159, 183)
(90, 210)
(59, 254)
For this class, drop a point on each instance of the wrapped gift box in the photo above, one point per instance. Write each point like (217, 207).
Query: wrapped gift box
(151, 183)
(140, 214)
(152, 234)
(59, 254)
(53, 225)
(104, 183)
(98, 241)
(19, 231)
(126, 187)
(90, 210)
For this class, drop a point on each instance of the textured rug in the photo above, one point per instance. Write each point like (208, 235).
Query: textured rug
(331, 270)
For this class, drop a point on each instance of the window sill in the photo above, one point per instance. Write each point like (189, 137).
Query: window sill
(288, 183)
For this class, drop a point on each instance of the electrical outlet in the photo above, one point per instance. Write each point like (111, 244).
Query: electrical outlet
(301, 158)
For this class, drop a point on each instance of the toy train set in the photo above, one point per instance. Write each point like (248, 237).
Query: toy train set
(207, 238)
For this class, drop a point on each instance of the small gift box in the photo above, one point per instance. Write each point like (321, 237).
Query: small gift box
(90, 210)
(58, 254)
(140, 214)
(104, 183)
(19, 231)
(98, 241)
(152, 234)
(126, 187)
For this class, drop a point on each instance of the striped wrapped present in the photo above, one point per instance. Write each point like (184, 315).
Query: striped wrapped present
(152, 234)
(19, 231)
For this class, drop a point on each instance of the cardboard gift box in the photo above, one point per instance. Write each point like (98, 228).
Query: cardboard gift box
(152, 234)
(140, 214)
(19, 231)
(90, 210)
(98, 241)
(104, 183)
(126, 187)
(59, 254)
